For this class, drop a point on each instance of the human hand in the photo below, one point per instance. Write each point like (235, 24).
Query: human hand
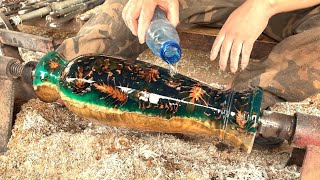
(137, 14)
(239, 32)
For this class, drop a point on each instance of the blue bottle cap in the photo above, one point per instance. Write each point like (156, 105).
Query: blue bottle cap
(170, 52)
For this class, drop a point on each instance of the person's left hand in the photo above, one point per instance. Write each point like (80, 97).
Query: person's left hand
(239, 32)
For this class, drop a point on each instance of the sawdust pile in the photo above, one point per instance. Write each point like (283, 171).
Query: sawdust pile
(49, 141)
(308, 106)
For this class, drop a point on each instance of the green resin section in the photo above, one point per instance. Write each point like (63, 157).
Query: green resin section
(135, 86)
(44, 71)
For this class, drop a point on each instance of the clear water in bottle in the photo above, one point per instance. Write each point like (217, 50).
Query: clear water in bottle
(162, 38)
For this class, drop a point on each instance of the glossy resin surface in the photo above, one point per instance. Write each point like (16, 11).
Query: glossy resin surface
(116, 86)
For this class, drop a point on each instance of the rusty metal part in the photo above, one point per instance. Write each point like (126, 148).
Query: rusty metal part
(307, 131)
(13, 51)
(70, 13)
(6, 111)
(28, 41)
(23, 90)
(311, 163)
(7, 100)
(301, 130)
(67, 3)
(10, 8)
(26, 10)
(31, 15)
(37, 3)
(62, 12)
(85, 5)
(4, 3)
(13, 4)
(9, 67)
(13, 88)
(56, 22)
(275, 124)
(6, 48)
(28, 71)
(7, 90)
(43, 11)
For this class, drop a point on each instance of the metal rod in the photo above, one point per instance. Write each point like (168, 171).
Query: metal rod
(307, 131)
(44, 10)
(31, 15)
(8, 4)
(67, 3)
(277, 125)
(28, 41)
(59, 21)
(27, 10)
(61, 12)
(301, 130)
(85, 6)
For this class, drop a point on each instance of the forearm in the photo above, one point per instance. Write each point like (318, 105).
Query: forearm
(279, 6)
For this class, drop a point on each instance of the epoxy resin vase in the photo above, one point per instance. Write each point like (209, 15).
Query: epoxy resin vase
(138, 95)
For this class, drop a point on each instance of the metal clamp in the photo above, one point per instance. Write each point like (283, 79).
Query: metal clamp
(7, 92)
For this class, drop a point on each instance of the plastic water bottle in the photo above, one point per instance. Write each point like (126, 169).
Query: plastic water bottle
(163, 39)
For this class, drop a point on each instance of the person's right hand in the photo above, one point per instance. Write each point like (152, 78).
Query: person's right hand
(240, 31)
(137, 14)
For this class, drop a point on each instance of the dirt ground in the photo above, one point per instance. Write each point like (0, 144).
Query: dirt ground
(50, 142)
